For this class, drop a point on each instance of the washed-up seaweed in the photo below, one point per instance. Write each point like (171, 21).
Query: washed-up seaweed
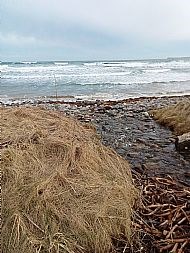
(163, 217)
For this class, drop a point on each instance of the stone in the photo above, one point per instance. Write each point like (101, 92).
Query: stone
(187, 174)
(129, 114)
(107, 107)
(146, 114)
(127, 128)
(111, 113)
(132, 154)
(182, 143)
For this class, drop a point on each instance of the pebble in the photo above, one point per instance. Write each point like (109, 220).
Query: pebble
(129, 128)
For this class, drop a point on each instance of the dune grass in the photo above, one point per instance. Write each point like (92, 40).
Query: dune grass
(62, 190)
(176, 117)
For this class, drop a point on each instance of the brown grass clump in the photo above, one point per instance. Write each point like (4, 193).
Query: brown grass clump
(63, 191)
(176, 117)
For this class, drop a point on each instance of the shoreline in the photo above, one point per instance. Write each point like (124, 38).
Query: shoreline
(71, 100)
(128, 128)
(104, 113)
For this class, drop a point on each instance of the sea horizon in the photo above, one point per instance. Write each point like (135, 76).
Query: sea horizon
(95, 60)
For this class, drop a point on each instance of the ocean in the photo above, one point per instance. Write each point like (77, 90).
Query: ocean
(92, 80)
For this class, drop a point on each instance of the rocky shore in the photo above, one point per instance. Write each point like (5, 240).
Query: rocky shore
(128, 127)
(161, 221)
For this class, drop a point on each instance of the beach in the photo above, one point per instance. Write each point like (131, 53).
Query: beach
(159, 171)
(95, 126)
(128, 127)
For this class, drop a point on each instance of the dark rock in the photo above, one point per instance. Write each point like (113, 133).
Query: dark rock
(111, 113)
(127, 128)
(183, 144)
(104, 128)
(128, 114)
(121, 151)
(138, 168)
(107, 107)
(141, 140)
(133, 155)
(187, 174)
(144, 167)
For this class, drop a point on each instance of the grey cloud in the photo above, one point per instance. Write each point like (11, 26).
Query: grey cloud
(163, 19)
(95, 28)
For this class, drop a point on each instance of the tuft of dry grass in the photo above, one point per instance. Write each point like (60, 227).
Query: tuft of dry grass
(62, 190)
(176, 117)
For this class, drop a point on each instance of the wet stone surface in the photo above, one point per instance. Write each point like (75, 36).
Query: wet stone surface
(130, 130)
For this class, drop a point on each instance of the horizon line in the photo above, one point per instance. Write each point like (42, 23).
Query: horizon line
(100, 60)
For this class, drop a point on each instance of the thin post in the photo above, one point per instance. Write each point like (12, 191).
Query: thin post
(55, 81)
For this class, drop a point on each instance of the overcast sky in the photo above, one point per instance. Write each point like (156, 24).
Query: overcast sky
(93, 29)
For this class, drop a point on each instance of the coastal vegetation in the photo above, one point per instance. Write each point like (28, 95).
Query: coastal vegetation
(63, 191)
(176, 117)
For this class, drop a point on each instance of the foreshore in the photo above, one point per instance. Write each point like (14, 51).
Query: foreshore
(127, 127)
(158, 170)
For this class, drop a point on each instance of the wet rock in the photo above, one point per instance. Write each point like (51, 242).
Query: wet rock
(128, 128)
(141, 140)
(119, 106)
(144, 167)
(187, 174)
(107, 107)
(151, 166)
(111, 113)
(183, 144)
(133, 154)
(104, 128)
(146, 114)
(138, 168)
(121, 151)
(129, 114)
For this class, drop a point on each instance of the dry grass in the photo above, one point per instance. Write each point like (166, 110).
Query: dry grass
(63, 191)
(175, 117)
